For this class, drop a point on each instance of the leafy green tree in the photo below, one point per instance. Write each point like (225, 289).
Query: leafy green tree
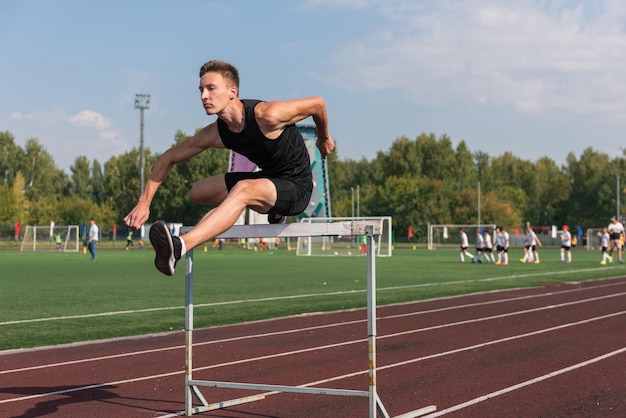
(344, 177)
(43, 210)
(438, 157)
(403, 159)
(465, 168)
(13, 203)
(484, 170)
(7, 204)
(79, 210)
(81, 178)
(548, 190)
(121, 182)
(97, 183)
(40, 172)
(410, 201)
(11, 157)
(592, 188)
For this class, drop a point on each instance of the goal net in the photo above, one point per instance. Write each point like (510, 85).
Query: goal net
(447, 236)
(44, 238)
(348, 245)
(594, 238)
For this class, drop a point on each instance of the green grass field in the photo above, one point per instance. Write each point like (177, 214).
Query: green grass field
(53, 298)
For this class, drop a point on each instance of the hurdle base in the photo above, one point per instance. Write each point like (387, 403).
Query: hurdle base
(274, 389)
(222, 404)
(367, 228)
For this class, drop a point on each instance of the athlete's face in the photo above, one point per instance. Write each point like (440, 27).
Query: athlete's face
(215, 93)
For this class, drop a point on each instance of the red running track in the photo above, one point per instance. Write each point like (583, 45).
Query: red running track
(553, 351)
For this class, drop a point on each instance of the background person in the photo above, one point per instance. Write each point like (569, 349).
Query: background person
(480, 247)
(58, 242)
(92, 241)
(464, 245)
(616, 231)
(605, 239)
(488, 247)
(566, 244)
(129, 239)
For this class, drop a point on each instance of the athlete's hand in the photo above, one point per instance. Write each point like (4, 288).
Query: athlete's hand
(138, 216)
(325, 145)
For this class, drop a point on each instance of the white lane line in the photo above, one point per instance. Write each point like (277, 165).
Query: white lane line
(526, 383)
(308, 329)
(279, 298)
(471, 348)
(488, 302)
(334, 378)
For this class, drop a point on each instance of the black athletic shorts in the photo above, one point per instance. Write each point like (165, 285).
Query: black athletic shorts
(292, 197)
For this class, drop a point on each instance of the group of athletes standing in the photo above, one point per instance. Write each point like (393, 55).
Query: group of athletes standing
(612, 238)
(484, 247)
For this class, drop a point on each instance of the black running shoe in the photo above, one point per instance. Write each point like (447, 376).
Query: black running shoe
(275, 218)
(167, 248)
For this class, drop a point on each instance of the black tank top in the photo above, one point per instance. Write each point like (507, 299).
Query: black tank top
(285, 157)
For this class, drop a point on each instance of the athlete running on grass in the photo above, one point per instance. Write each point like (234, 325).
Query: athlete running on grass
(266, 134)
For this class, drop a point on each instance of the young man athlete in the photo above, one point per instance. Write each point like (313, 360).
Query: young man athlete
(266, 134)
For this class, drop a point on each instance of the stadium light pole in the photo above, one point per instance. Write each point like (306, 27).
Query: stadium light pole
(478, 205)
(142, 102)
(358, 200)
(352, 190)
(618, 199)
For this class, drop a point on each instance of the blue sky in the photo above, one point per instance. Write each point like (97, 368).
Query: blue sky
(533, 77)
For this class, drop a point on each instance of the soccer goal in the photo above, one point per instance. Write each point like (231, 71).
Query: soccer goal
(347, 245)
(594, 238)
(448, 235)
(44, 238)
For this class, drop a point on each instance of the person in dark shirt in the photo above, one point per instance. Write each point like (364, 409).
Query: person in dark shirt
(266, 134)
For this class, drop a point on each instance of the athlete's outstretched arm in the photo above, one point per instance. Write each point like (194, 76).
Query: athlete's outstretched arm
(207, 137)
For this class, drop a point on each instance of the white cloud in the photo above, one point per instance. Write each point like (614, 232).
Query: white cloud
(110, 135)
(533, 56)
(95, 120)
(20, 115)
(90, 119)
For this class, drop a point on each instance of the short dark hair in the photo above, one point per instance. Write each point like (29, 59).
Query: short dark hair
(227, 70)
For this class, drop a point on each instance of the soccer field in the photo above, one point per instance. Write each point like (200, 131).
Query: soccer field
(54, 298)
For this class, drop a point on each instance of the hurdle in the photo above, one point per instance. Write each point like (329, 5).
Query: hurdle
(369, 228)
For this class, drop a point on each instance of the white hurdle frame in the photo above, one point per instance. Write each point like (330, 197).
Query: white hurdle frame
(368, 228)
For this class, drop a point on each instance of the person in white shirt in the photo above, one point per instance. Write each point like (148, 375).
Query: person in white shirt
(488, 247)
(566, 244)
(464, 246)
(92, 240)
(616, 231)
(480, 246)
(502, 246)
(605, 238)
(531, 241)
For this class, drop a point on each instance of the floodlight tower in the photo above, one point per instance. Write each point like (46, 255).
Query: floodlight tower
(142, 102)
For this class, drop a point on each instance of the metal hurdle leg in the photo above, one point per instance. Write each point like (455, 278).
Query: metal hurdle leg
(191, 387)
(368, 228)
(375, 404)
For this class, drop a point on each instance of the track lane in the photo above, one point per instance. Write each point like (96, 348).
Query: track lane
(143, 377)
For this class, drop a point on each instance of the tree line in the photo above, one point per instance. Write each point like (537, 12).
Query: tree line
(418, 181)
